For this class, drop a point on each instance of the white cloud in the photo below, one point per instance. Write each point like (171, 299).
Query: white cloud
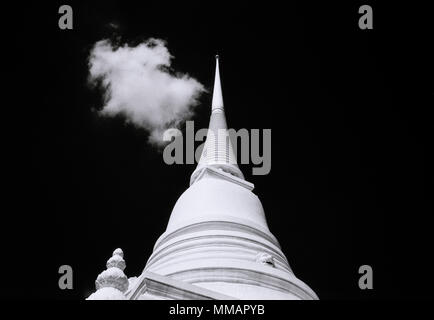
(136, 84)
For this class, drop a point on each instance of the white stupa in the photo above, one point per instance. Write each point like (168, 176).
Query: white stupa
(217, 244)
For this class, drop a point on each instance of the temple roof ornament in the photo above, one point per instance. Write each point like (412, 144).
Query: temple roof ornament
(111, 284)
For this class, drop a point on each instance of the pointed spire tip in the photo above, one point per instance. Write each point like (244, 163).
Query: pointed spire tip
(217, 97)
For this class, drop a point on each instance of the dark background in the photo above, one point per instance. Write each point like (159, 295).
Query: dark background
(349, 109)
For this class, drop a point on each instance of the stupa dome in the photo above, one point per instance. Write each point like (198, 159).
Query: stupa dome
(213, 198)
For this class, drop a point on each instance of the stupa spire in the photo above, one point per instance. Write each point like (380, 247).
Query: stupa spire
(217, 96)
(218, 152)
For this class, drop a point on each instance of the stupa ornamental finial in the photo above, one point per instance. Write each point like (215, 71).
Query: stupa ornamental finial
(112, 283)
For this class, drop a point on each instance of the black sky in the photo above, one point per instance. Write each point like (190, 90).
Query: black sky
(349, 109)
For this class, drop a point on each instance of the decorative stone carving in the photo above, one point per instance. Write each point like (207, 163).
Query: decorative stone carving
(265, 258)
(112, 283)
(114, 278)
(116, 261)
